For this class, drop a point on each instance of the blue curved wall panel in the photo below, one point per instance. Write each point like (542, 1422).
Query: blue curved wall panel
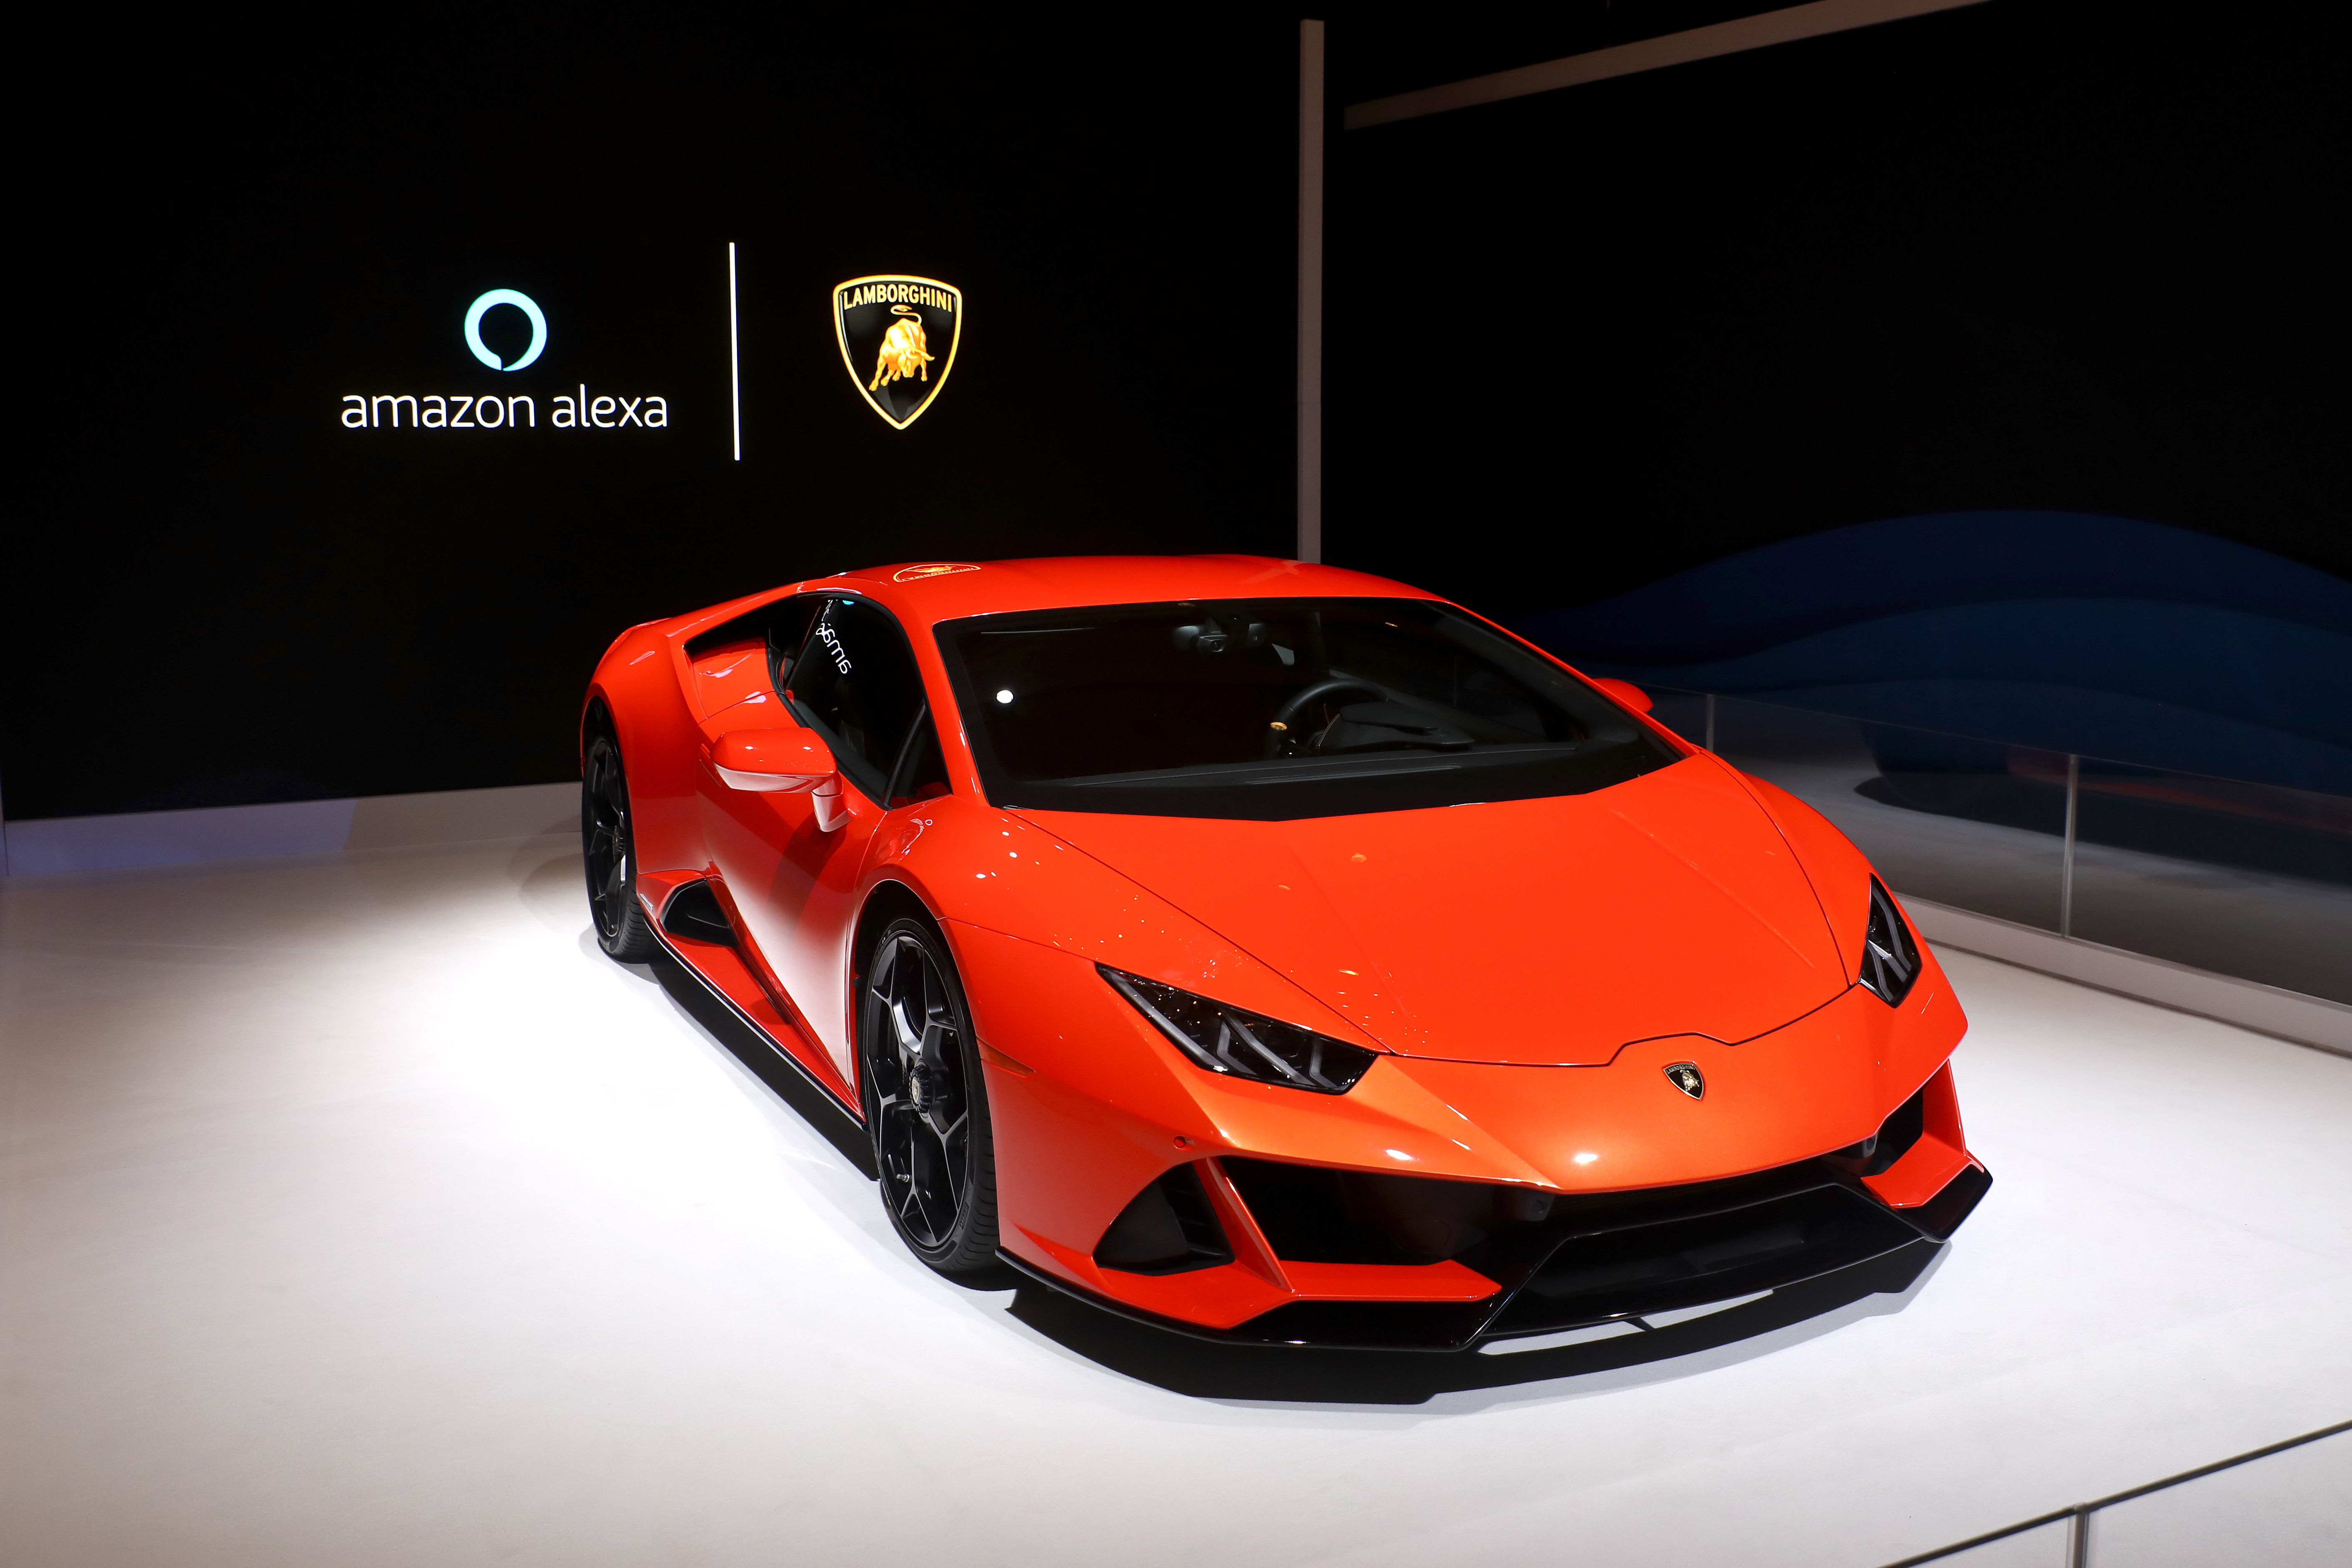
(2106, 636)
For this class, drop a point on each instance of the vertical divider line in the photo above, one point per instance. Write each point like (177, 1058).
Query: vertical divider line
(2066, 860)
(1310, 291)
(734, 359)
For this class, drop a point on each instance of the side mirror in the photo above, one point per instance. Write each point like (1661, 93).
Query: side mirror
(783, 762)
(1625, 692)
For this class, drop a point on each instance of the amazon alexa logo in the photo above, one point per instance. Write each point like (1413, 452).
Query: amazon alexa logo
(490, 301)
(576, 408)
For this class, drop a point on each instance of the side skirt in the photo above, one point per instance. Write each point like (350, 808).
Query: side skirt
(766, 1031)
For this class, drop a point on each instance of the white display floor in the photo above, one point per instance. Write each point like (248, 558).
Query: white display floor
(358, 1212)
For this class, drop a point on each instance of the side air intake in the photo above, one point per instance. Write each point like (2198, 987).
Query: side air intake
(694, 914)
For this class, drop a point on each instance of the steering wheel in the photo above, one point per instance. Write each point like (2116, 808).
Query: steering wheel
(1320, 690)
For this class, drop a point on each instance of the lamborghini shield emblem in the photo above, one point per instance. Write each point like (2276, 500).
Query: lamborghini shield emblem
(1685, 1076)
(897, 341)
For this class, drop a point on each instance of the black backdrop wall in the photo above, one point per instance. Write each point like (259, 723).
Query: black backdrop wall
(1983, 371)
(219, 594)
(2034, 253)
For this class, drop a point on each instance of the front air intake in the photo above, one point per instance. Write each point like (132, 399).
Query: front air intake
(1890, 959)
(1168, 1229)
(1877, 1154)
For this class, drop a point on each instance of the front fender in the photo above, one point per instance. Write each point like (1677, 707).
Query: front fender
(633, 683)
(993, 870)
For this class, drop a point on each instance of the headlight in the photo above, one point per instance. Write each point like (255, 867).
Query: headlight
(1890, 959)
(1227, 1040)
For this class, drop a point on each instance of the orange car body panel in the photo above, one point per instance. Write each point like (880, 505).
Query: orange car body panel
(1691, 914)
(1404, 918)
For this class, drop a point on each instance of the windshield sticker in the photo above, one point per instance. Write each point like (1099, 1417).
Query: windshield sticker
(832, 640)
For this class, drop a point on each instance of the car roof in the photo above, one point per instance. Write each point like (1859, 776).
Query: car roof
(928, 592)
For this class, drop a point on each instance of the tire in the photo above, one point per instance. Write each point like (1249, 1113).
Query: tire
(608, 854)
(926, 1102)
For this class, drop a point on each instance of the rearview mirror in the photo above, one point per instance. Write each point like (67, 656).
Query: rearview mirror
(1625, 692)
(783, 762)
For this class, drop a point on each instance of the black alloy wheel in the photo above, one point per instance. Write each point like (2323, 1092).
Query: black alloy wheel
(608, 854)
(925, 1103)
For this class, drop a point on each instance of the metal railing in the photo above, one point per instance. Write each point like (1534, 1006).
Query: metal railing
(2077, 1519)
(2066, 860)
(2114, 829)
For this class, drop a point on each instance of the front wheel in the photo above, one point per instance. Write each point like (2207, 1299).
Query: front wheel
(608, 852)
(925, 1102)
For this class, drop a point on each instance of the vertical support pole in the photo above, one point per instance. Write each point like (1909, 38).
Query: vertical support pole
(1710, 721)
(734, 359)
(2078, 1535)
(2066, 864)
(1310, 291)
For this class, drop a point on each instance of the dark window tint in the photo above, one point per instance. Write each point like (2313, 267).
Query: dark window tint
(922, 773)
(855, 683)
(781, 624)
(788, 627)
(1273, 709)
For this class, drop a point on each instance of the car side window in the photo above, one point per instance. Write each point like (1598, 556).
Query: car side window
(922, 772)
(788, 628)
(855, 683)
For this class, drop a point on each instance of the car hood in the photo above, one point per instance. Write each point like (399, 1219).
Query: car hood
(1548, 932)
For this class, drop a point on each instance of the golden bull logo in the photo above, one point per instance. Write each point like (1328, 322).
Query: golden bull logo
(897, 341)
(904, 351)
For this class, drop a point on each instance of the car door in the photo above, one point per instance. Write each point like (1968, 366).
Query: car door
(854, 681)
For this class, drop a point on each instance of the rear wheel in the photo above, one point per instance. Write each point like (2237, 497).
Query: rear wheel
(608, 854)
(925, 1102)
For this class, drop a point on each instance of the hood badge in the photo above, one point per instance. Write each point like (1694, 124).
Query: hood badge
(1686, 1077)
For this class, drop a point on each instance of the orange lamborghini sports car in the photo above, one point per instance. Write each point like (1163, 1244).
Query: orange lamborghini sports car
(1275, 953)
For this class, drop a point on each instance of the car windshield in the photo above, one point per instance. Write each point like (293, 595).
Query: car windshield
(1277, 708)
